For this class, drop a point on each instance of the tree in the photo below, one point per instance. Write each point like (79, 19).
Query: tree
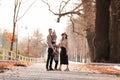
(17, 6)
(32, 46)
(78, 46)
(89, 16)
(102, 46)
(37, 47)
(62, 11)
(3, 40)
(107, 31)
(115, 31)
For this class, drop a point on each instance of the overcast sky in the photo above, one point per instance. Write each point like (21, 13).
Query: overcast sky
(38, 17)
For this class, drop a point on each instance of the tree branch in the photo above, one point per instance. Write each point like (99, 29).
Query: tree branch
(61, 8)
(27, 9)
(77, 7)
(49, 7)
(61, 14)
(15, 8)
(18, 9)
(73, 26)
(66, 13)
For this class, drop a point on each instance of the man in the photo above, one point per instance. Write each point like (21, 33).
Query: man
(50, 51)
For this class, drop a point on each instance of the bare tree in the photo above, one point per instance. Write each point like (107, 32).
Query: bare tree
(62, 9)
(17, 6)
(76, 9)
(35, 47)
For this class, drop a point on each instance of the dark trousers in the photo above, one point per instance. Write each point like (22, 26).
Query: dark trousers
(56, 64)
(49, 58)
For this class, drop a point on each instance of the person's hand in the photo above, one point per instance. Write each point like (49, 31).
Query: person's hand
(59, 45)
(54, 51)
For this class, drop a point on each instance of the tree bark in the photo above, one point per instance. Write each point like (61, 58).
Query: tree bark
(115, 32)
(12, 41)
(101, 41)
(90, 37)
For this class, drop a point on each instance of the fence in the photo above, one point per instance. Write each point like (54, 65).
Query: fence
(7, 55)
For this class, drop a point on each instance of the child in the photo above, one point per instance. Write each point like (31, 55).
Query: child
(55, 48)
(56, 53)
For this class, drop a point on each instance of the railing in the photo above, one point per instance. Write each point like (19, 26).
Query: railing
(7, 55)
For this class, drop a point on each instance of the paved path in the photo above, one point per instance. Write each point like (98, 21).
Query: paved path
(38, 72)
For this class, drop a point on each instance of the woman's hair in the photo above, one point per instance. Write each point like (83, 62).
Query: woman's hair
(64, 34)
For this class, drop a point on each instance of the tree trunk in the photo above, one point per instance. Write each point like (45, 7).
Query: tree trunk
(115, 32)
(90, 37)
(101, 41)
(89, 15)
(12, 42)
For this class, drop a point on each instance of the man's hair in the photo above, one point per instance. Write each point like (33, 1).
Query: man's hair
(50, 28)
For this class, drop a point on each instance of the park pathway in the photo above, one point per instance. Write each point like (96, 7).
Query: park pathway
(37, 72)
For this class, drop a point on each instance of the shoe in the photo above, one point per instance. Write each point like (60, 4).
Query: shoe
(47, 69)
(66, 70)
(56, 69)
(59, 69)
(51, 69)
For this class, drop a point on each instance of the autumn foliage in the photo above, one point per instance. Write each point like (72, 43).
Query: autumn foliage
(9, 36)
(97, 68)
(6, 64)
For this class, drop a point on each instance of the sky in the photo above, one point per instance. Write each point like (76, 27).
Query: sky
(38, 17)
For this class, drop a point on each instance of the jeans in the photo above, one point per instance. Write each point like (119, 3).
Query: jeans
(49, 58)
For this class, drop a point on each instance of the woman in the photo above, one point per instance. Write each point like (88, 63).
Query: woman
(63, 53)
